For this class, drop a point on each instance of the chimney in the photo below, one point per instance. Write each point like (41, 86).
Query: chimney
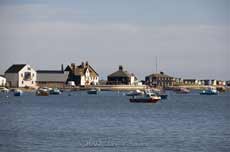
(83, 64)
(73, 66)
(120, 68)
(62, 67)
(86, 63)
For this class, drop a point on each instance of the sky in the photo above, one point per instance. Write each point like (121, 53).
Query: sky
(190, 38)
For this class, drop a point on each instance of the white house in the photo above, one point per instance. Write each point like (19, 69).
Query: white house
(21, 75)
(83, 74)
(2, 81)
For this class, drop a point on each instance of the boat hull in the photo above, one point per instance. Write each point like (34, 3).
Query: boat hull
(143, 100)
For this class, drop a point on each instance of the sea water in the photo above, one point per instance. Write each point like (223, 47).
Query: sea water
(108, 122)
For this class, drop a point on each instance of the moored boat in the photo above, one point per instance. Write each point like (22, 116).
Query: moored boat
(4, 90)
(18, 92)
(55, 91)
(135, 93)
(147, 98)
(182, 90)
(42, 92)
(210, 91)
(92, 91)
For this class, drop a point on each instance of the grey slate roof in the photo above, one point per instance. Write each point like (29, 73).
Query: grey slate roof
(120, 73)
(15, 68)
(159, 75)
(50, 71)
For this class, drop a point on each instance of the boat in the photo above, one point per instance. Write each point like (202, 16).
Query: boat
(55, 91)
(18, 92)
(42, 92)
(92, 91)
(158, 92)
(135, 93)
(182, 90)
(221, 89)
(4, 90)
(147, 98)
(210, 91)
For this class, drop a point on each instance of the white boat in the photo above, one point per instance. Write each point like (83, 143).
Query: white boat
(135, 93)
(42, 92)
(147, 98)
(4, 90)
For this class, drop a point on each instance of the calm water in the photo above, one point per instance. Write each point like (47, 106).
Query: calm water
(108, 123)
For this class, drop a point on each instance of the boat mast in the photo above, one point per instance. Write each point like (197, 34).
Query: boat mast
(156, 64)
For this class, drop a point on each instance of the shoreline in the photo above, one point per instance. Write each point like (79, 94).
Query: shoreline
(124, 88)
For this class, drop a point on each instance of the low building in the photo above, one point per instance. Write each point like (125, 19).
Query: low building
(208, 82)
(191, 82)
(83, 74)
(220, 82)
(228, 83)
(122, 77)
(52, 78)
(159, 80)
(2, 81)
(21, 75)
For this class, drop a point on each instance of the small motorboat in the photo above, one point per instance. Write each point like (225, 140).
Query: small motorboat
(210, 91)
(4, 90)
(135, 93)
(182, 90)
(55, 91)
(18, 92)
(92, 91)
(147, 98)
(42, 92)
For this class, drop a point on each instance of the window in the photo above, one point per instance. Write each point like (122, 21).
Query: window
(22, 82)
(21, 75)
(27, 76)
(32, 82)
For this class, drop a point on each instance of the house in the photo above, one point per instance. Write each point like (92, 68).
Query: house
(159, 80)
(2, 81)
(121, 77)
(52, 78)
(220, 82)
(83, 74)
(21, 75)
(228, 83)
(191, 82)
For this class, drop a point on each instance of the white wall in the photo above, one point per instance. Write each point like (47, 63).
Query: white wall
(89, 78)
(2, 81)
(22, 82)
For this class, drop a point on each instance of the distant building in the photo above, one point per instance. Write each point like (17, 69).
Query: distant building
(220, 82)
(191, 82)
(52, 78)
(228, 83)
(208, 82)
(2, 81)
(121, 77)
(21, 75)
(83, 74)
(159, 79)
